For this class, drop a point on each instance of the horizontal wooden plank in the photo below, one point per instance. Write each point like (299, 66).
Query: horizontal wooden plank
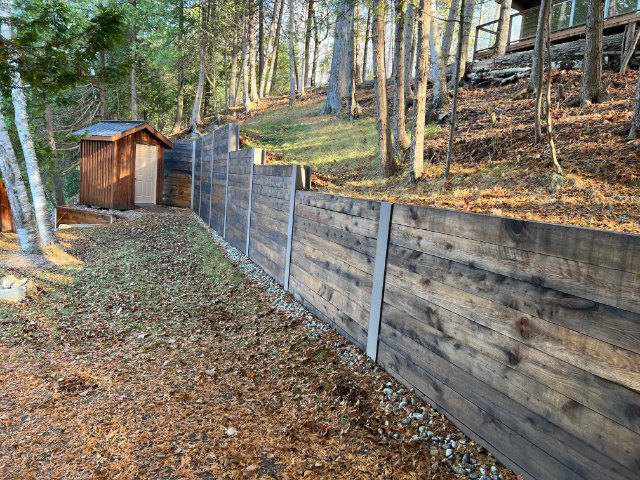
(605, 360)
(351, 206)
(609, 324)
(589, 431)
(619, 251)
(276, 170)
(471, 402)
(340, 221)
(611, 287)
(360, 243)
(608, 399)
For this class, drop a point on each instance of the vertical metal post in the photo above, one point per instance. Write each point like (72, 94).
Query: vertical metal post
(226, 183)
(295, 180)
(379, 272)
(193, 167)
(253, 163)
(213, 154)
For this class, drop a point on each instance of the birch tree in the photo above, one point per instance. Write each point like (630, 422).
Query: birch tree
(21, 119)
(388, 165)
(416, 154)
(21, 209)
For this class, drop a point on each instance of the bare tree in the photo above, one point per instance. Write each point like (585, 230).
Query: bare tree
(274, 52)
(635, 121)
(337, 86)
(197, 101)
(251, 47)
(233, 74)
(469, 6)
(452, 21)
(367, 37)
(537, 59)
(550, 141)
(591, 88)
(292, 55)
(409, 46)
(21, 120)
(543, 17)
(53, 147)
(439, 96)
(456, 86)
(388, 165)
(177, 125)
(416, 154)
(401, 142)
(21, 209)
(502, 32)
(311, 11)
(353, 109)
(631, 42)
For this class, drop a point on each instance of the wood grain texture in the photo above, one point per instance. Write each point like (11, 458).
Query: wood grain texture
(6, 219)
(176, 184)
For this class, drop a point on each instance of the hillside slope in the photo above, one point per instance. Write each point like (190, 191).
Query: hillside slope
(496, 168)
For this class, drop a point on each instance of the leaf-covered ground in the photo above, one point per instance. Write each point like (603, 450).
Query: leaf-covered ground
(146, 354)
(496, 167)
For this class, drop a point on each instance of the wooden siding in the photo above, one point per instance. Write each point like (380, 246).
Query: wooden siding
(526, 334)
(270, 218)
(238, 195)
(176, 184)
(96, 173)
(107, 171)
(6, 219)
(332, 259)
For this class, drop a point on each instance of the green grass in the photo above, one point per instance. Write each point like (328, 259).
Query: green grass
(344, 152)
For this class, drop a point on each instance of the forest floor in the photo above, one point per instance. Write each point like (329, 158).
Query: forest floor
(147, 354)
(496, 168)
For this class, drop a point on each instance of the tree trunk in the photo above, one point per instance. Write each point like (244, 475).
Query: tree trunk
(502, 33)
(466, 30)
(401, 142)
(51, 141)
(316, 51)
(233, 74)
(416, 153)
(21, 209)
(269, 46)
(251, 43)
(197, 101)
(311, 8)
(456, 86)
(544, 17)
(352, 105)
(591, 88)
(336, 88)
(631, 42)
(387, 162)
(439, 96)
(550, 141)
(292, 56)
(447, 38)
(538, 49)
(261, 54)
(132, 74)
(635, 121)
(21, 119)
(367, 37)
(103, 85)
(177, 125)
(409, 47)
(274, 53)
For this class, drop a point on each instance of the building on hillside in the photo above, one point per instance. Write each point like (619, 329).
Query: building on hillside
(567, 23)
(121, 164)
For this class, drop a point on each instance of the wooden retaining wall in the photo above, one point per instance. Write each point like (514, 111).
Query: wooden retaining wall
(176, 185)
(526, 334)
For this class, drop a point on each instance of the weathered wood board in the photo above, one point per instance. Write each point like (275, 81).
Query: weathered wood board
(532, 326)
(176, 185)
(76, 216)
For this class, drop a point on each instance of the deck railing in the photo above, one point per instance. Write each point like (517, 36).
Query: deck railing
(565, 14)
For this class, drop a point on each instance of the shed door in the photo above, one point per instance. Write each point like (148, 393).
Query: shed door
(146, 173)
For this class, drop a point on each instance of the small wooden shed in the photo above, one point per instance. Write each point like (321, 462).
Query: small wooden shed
(121, 164)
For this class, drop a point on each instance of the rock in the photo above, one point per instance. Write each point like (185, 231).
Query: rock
(458, 470)
(448, 452)
(387, 391)
(406, 421)
(13, 295)
(494, 469)
(417, 415)
(8, 281)
(434, 452)
(230, 431)
(415, 438)
(454, 444)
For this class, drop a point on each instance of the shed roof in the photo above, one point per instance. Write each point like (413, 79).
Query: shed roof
(112, 130)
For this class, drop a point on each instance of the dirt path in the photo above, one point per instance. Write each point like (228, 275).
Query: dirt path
(157, 359)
